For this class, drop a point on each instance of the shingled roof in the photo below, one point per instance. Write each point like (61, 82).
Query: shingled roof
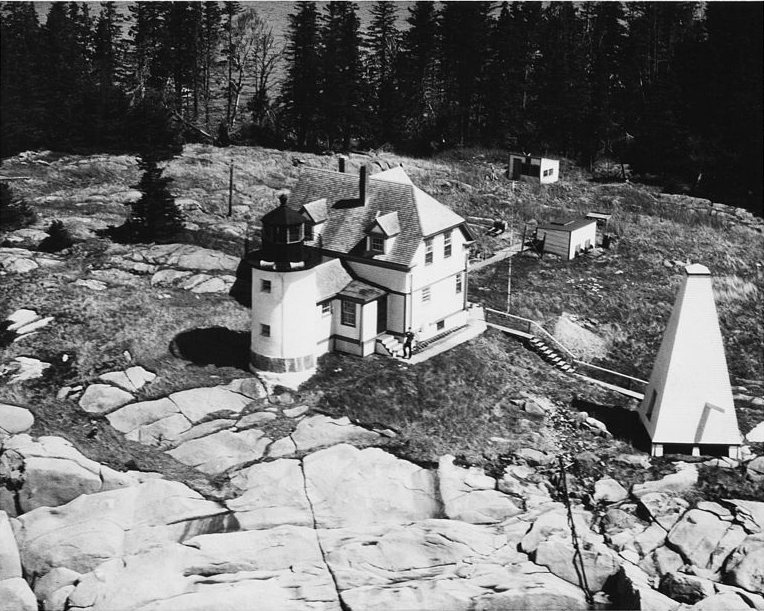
(347, 218)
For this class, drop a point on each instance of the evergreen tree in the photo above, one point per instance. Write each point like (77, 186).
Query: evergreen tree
(301, 87)
(465, 30)
(383, 50)
(21, 95)
(418, 75)
(14, 213)
(58, 238)
(211, 31)
(342, 92)
(155, 216)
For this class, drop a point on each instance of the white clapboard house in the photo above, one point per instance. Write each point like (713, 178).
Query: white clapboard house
(688, 401)
(351, 263)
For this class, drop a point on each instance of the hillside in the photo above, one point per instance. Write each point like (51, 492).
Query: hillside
(137, 356)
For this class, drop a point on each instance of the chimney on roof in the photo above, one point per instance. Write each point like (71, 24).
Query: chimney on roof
(363, 182)
(341, 160)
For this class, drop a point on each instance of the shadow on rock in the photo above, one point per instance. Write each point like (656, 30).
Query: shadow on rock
(623, 424)
(213, 346)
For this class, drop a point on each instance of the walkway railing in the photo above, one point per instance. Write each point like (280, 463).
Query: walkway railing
(531, 327)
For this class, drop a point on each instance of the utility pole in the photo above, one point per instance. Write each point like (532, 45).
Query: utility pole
(509, 262)
(230, 189)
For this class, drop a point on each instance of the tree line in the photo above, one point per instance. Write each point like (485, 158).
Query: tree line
(672, 88)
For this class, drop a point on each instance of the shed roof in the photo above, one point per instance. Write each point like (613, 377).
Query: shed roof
(347, 218)
(361, 292)
(568, 226)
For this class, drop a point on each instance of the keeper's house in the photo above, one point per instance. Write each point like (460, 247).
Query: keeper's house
(350, 263)
(568, 239)
(532, 168)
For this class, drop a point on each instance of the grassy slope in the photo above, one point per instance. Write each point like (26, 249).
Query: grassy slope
(454, 403)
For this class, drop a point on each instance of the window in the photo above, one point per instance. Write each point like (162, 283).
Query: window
(309, 234)
(428, 251)
(440, 325)
(265, 286)
(348, 313)
(326, 308)
(265, 330)
(377, 243)
(426, 294)
(295, 233)
(458, 283)
(447, 244)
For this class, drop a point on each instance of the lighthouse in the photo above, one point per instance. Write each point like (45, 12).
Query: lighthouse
(283, 294)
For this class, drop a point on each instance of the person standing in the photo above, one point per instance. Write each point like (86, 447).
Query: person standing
(408, 343)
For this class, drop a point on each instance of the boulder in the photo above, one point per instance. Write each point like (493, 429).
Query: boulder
(19, 318)
(49, 482)
(205, 428)
(282, 447)
(319, 430)
(634, 460)
(14, 420)
(222, 451)
(135, 415)
(557, 554)
(131, 380)
(534, 591)
(115, 277)
(662, 560)
(348, 487)
(274, 495)
(169, 277)
(296, 412)
(10, 562)
(749, 513)
(534, 457)
(471, 496)
(162, 433)
(686, 588)
(525, 486)
(103, 398)
(554, 522)
(684, 479)
(59, 599)
(704, 539)
(200, 404)
(213, 285)
(249, 387)
(16, 595)
(25, 368)
(665, 509)
(97, 527)
(723, 601)
(756, 434)
(745, 567)
(755, 469)
(608, 490)
(48, 584)
(255, 419)
(630, 589)
(89, 283)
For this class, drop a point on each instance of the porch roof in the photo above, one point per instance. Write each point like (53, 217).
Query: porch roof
(361, 292)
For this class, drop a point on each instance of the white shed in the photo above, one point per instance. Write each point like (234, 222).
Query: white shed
(568, 239)
(533, 168)
(688, 400)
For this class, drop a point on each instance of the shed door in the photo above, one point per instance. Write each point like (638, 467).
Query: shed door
(517, 168)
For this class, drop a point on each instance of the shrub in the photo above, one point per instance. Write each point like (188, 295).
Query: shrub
(14, 213)
(58, 238)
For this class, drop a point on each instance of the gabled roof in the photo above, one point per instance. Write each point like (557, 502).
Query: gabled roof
(419, 215)
(331, 278)
(316, 210)
(388, 223)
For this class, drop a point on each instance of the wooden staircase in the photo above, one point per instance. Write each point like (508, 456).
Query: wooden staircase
(550, 355)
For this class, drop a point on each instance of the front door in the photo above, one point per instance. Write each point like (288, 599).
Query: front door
(382, 314)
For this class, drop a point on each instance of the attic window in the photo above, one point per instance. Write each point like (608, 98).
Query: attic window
(377, 244)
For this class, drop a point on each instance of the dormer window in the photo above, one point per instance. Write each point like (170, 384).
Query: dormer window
(377, 244)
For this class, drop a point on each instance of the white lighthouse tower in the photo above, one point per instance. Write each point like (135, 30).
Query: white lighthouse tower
(688, 400)
(283, 295)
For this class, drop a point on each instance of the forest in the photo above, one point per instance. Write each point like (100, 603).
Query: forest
(673, 89)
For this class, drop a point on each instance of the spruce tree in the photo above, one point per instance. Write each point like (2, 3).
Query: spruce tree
(14, 213)
(301, 87)
(383, 41)
(155, 216)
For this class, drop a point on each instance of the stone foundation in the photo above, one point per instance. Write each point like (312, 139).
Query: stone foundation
(281, 365)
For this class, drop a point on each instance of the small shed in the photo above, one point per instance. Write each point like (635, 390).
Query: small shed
(568, 239)
(602, 218)
(533, 168)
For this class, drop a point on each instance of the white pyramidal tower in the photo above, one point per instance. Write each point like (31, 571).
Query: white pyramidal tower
(688, 400)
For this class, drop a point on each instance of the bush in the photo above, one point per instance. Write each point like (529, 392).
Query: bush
(58, 238)
(14, 213)
(155, 216)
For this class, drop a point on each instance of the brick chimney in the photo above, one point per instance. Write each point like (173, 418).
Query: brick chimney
(363, 183)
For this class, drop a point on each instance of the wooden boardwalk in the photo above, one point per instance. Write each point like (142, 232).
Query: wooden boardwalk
(504, 253)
